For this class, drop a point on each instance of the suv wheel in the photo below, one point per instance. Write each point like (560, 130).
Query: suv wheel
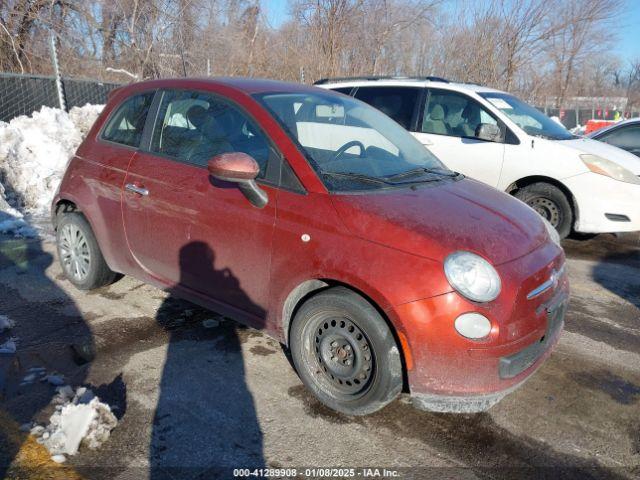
(551, 203)
(344, 352)
(80, 257)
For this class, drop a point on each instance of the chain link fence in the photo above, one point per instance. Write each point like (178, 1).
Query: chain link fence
(24, 94)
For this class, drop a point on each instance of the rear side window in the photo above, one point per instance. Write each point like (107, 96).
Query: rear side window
(624, 137)
(399, 103)
(195, 126)
(126, 125)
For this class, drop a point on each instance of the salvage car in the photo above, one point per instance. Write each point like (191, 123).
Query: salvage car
(379, 269)
(577, 184)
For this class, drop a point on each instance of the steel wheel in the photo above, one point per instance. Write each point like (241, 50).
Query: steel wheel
(341, 356)
(74, 252)
(547, 209)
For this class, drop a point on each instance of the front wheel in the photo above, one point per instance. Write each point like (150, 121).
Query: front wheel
(345, 353)
(551, 203)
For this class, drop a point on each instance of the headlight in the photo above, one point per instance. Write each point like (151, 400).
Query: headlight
(553, 233)
(602, 166)
(472, 276)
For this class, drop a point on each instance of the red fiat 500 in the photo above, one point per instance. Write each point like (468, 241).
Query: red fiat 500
(316, 218)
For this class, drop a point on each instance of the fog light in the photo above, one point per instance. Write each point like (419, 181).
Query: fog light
(473, 325)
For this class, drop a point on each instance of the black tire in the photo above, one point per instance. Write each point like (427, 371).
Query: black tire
(89, 274)
(551, 203)
(345, 353)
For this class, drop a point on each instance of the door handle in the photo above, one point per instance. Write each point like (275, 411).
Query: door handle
(139, 190)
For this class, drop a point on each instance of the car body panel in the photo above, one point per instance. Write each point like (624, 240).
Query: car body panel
(502, 232)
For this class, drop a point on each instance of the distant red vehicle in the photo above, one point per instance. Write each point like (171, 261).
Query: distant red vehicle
(316, 218)
(594, 125)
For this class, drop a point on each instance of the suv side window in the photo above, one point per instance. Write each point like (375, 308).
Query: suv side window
(126, 124)
(453, 114)
(194, 126)
(398, 103)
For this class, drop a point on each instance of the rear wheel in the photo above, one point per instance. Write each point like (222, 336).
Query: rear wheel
(345, 353)
(79, 254)
(551, 203)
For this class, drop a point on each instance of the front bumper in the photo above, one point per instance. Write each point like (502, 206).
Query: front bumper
(603, 204)
(448, 372)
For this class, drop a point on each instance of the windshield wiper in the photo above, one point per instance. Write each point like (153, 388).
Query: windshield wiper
(358, 176)
(421, 170)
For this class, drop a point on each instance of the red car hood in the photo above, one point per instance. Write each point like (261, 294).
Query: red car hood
(436, 220)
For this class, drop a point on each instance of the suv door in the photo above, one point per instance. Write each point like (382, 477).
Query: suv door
(448, 126)
(187, 230)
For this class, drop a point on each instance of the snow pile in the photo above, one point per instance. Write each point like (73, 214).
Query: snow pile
(80, 419)
(34, 152)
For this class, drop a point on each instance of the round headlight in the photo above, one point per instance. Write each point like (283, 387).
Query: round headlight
(473, 325)
(472, 276)
(553, 233)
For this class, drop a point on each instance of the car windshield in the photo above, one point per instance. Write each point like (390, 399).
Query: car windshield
(528, 118)
(351, 145)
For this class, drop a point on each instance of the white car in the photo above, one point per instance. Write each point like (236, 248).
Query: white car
(492, 136)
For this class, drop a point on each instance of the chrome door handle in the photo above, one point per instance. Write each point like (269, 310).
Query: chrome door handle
(139, 190)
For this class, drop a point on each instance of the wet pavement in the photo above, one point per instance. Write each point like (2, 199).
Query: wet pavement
(196, 402)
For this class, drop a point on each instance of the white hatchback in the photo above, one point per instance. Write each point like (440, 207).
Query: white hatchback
(492, 136)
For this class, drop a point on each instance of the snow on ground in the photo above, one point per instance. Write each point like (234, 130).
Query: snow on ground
(34, 151)
(80, 418)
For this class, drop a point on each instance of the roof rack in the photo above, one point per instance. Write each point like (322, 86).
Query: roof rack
(377, 77)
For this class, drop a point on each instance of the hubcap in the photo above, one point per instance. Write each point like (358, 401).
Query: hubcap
(344, 355)
(547, 209)
(74, 252)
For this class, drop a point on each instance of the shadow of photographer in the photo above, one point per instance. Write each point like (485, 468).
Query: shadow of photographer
(205, 423)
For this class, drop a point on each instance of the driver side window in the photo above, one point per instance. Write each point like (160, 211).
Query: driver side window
(454, 115)
(195, 126)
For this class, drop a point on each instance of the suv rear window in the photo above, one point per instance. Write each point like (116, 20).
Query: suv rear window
(126, 125)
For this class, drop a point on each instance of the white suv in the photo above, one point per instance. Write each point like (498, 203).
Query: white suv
(497, 138)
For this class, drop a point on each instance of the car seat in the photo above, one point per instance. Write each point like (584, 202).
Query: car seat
(436, 124)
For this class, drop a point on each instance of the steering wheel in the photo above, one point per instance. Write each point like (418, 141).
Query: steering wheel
(347, 146)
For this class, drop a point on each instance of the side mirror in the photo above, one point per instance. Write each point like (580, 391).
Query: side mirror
(242, 169)
(489, 132)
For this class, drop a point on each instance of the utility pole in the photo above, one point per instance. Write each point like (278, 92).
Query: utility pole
(56, 68)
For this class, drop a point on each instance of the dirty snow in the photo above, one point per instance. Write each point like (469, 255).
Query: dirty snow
(80, 419)
(34, 151)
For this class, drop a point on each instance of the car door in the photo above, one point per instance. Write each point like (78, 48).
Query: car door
(626, 137)
(448, 125)
(182, 227)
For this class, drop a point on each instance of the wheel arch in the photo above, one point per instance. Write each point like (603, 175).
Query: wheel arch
(311, 287)
(526, 181)
(63, 205)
